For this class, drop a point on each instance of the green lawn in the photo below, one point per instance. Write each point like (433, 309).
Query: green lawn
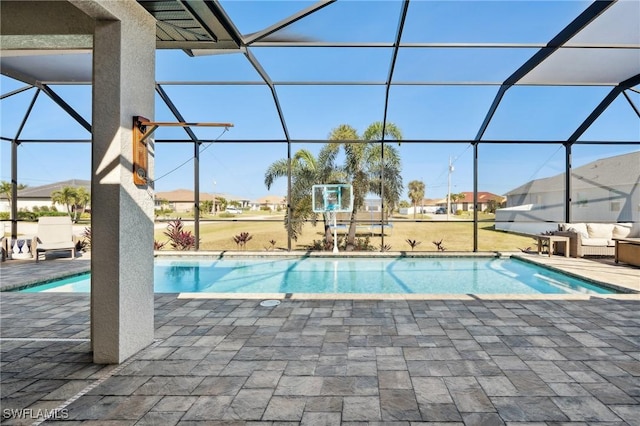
(454, 236)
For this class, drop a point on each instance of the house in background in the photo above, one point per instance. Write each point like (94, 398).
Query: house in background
(183, 200)
(605, 190)
(427, 205)
(39, 196)
(486, 201)
(179, 200)
(269, 202)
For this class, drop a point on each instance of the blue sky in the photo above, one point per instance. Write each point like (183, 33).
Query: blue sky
(436, 112)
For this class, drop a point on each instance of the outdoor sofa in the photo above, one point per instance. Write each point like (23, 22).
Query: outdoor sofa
(596, 239)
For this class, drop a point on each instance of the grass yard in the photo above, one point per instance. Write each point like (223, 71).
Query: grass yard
(454, 236)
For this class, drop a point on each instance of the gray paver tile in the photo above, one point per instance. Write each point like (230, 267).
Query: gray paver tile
(321, 419)
(468, 395)
(172, 403)
(225, 385)
(361, 408)
(482, 419)
(569, 389)
(288, 408)
(431, 390)
(209, 408)
(584, 408)
(628, 413)
(169, 386)
(497, 386)
(440, 412)
(528, 409)
(249, 404)
(393, 379)
(299, 386)
(160, 419)
(398, 404)
(347, 386)
(324, 404)
(119, 385)
(263, 379)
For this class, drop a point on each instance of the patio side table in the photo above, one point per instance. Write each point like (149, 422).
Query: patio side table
(552, 241)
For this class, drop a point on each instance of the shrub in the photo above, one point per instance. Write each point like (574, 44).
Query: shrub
(413, 243)
(242, 239)
(439, 245)
(86, 235)
(272, 245)
(320, 245)
(178, 237)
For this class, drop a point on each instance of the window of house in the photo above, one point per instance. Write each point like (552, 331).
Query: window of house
(582, 200)
(614, 201)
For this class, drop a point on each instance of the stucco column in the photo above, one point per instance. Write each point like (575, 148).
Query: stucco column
(122, 213)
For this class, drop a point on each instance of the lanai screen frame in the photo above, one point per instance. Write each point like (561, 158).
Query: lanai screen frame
(246, 43)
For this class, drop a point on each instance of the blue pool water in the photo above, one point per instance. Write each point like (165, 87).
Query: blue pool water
(328, 275)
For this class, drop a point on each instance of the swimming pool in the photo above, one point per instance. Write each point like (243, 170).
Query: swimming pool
(350, 276)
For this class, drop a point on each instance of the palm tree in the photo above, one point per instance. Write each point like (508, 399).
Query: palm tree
(416, 193)
(6, 188)
(206, 206)
(370, 167)
(74, 199)
(455, 198)
(306, 171)
(65, 196)
(82, 199)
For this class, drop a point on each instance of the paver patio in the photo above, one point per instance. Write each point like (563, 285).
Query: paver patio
(320, 362)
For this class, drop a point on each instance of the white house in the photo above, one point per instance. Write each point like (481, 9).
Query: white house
(605, 190)
(183, 200)
(465, 204)
(271, 202)
(39, 196)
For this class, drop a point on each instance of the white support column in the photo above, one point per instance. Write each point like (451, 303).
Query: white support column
(122, 213)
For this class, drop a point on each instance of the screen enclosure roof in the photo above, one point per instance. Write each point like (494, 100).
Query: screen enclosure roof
(493, 71)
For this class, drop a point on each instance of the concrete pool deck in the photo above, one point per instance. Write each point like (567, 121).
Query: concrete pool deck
(511, 361)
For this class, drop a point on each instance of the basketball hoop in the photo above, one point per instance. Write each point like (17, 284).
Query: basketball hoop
(332, 199)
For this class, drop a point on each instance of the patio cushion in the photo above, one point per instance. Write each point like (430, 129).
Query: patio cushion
(600, 230)
(596, 242)
(580, 228)
(621, 231)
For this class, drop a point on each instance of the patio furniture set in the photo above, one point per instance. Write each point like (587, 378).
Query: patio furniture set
(55, 233)
(620, 240)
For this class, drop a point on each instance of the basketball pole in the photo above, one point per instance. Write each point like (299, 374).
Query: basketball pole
(335, 232)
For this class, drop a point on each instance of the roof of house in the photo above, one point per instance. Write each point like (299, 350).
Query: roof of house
(271, 199)
(187, 196)
(483, 197)
(606, 172)
(44, 191)
(183, 196)
(430, 201)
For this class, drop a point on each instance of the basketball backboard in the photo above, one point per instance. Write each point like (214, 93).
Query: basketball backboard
(332, 198)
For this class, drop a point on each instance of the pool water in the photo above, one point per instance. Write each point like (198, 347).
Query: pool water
(330, 275)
